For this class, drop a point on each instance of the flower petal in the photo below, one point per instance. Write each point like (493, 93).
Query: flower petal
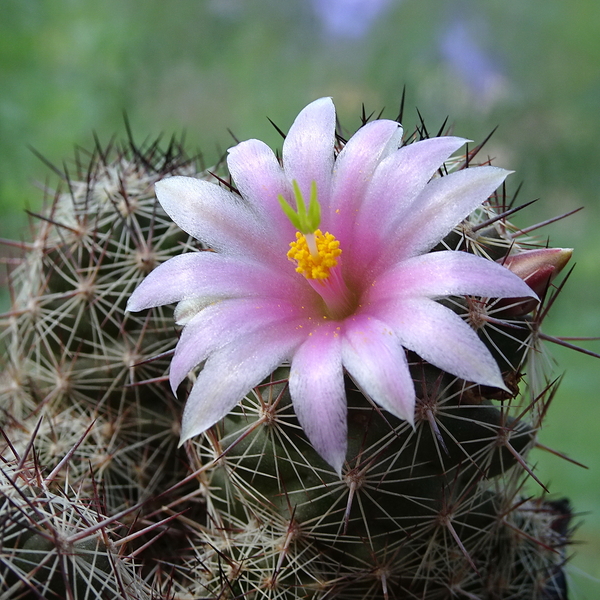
(212, 275)
(399, 179)
(448, 273)
(260, 179)
(442, 338)
(318, 394)
(308, 148)
(231, 372)
(353, 171)
(397, 182)
(376, 361)
(216, 217)
(222, 323)
(444, 203)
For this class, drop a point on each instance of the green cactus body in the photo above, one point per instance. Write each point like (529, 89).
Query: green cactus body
(72, 349)
(53, 546)
(411, 513)
(431, 512)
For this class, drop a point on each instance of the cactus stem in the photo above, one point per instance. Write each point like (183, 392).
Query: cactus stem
(250, 510)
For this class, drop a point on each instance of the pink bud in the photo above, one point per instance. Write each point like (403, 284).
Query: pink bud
(537, 268)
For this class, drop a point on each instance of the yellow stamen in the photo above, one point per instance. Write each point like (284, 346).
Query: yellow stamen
(315, 264)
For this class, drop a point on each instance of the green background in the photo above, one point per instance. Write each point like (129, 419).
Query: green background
(72, 67)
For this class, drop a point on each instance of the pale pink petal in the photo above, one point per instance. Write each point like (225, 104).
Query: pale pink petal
(353, 172)
(400, 178)
(397, 183)
(259, 177)
(441, 337)
(308, 148)
(374, 358)
(447, 273)
(231, 372)
(213, 275)
(222, 323)
(318, 394)
(247, 310)
(444, 203)
(218, 218)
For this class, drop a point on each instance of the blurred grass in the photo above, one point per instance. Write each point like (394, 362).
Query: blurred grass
(71, 67)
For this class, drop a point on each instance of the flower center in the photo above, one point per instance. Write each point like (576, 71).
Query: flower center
(317, 254)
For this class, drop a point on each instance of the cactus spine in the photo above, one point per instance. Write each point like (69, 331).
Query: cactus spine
(249, 509)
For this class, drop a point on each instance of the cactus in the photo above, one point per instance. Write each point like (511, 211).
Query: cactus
(249, 509)
(71, 349)
(58, 545)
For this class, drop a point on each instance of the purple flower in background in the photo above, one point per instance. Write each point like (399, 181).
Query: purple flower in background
(324, 261)
(349, 18)
(471, 64)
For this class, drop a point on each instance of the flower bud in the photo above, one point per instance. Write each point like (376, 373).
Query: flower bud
(537, 268)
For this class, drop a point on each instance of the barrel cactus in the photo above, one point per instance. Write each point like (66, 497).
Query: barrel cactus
(58, 545)
(358, 343)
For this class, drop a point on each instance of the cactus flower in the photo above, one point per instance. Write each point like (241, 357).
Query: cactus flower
(324, 260)
(538, 268)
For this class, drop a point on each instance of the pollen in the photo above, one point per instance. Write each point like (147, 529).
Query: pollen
(315, 257)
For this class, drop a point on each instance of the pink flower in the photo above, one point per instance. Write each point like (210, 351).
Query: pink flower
(255, 302)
